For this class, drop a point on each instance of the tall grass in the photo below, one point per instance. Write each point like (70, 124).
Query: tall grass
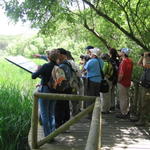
(16, 87)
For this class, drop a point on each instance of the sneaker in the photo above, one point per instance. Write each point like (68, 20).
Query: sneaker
(121, 116)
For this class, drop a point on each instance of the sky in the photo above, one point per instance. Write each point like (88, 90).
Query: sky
(7, 27)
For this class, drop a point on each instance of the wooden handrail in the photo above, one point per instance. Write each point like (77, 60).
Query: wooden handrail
(54, 96)
(71, 97)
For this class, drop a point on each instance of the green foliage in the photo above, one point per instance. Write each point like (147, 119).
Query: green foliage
(108, 18)
(16, 87)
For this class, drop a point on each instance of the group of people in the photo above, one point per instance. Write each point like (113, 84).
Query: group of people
(117, 69)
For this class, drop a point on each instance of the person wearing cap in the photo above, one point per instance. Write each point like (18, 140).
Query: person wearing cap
(76, 105)
(124, 82)
(62, 111)
(92, 67)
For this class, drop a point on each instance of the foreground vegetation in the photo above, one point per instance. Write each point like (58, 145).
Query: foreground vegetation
(16, 89)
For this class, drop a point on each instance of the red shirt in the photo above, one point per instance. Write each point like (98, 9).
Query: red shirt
(125, 69)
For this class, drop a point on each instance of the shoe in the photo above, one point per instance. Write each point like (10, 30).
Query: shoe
(121, 116)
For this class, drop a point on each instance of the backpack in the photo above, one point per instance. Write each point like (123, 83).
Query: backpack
(109, 69)
(75, 81)
(61, 80)
(145, 78)
(58, 79)
(114, 76)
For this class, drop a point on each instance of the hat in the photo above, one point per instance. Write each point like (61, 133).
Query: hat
(95, 51)
(69, 55)
(62, 51)
(89, 47)
(125, 50)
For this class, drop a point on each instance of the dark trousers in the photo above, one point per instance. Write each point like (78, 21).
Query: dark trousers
(62, 110)
(92, 90)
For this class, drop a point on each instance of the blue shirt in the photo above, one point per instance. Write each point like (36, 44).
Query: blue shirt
(93, 69)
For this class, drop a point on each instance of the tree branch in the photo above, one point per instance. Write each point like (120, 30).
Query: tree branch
(96, 34)
(132, 37)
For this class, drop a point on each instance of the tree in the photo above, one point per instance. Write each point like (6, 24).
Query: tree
(130, 17)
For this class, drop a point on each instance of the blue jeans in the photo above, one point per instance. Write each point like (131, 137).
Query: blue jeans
(47, 112)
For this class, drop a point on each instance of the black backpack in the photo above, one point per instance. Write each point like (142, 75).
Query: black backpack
(114, 76)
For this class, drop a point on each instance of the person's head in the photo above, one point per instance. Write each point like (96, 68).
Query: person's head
(69, 56)
(113, 53)
(124, 52)
(62, 54)
(53, 55)
(88, 49)
(95, 52)
(105, 57)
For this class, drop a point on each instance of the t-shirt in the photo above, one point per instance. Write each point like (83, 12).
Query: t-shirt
(93, 69)
(125, 69)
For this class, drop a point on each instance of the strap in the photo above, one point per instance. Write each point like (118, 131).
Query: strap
(94, 76)
(101, 71)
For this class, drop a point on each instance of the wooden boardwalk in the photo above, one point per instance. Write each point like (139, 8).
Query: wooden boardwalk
(73, 139)
(121, 134)
(117, 134)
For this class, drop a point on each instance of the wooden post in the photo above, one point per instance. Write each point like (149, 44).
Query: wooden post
(34, 122)
(66, 125)
(93, 137)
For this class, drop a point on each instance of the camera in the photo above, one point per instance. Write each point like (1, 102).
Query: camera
(85, 57)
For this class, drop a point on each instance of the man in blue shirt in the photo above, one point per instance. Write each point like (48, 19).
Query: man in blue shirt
(92, 67)
(94, 76)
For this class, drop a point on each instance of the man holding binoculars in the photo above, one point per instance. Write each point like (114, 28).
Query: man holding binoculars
(144, 62)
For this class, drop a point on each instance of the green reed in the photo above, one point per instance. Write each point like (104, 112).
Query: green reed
(16, 88)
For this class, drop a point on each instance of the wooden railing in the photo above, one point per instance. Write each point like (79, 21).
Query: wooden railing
(94, 137)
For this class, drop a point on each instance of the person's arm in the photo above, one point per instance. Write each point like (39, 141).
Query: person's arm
(38, 72)
(44, 57)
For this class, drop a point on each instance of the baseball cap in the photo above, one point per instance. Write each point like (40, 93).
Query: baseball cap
(95, 51)
(89, 47)
(62, 51)
(125, 50)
